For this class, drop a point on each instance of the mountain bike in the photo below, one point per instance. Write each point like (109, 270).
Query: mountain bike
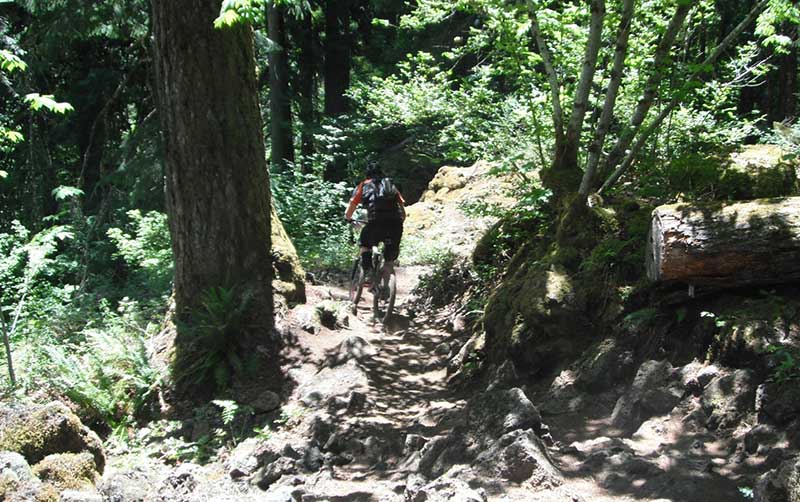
(382, 281)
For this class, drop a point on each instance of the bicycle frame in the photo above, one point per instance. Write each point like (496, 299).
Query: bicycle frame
(382, 278)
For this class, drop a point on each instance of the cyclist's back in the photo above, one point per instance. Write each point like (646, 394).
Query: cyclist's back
(386, 212)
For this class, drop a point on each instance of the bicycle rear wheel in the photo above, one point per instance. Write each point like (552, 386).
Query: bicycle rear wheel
(392, 286)
(377, 285)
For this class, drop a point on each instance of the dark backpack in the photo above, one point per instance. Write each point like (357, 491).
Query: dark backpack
(381, 197)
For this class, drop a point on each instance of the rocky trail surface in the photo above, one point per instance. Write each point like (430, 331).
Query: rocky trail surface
(372, 418)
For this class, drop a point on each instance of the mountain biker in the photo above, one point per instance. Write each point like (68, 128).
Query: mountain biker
(386, 212)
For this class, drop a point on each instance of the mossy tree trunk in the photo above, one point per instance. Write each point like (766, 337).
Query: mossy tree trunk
(217, 184)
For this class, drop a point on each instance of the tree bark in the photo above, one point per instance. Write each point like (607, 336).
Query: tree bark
(726, 245)
(280, 104)
(7, 345)
(217, 183)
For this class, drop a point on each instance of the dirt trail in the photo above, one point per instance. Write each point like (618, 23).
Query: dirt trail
(406, 395)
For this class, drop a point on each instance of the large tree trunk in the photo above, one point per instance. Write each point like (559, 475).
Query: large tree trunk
(217, 181)
(337, 57)
(280, 104)
(337, 72)
(306, 85)
(726, 244)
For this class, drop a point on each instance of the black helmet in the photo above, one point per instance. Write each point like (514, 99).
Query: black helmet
(373, 170)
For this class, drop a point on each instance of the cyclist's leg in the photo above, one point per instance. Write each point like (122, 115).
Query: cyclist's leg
(392, 235)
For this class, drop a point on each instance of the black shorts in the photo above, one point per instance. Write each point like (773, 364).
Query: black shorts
(387, 231)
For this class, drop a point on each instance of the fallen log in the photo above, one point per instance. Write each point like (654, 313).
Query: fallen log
(726, 244)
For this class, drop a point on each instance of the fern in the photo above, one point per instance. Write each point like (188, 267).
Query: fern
(215, 353)
(229, 410)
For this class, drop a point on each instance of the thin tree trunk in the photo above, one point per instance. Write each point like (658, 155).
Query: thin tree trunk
(280, 105)
(651, 86)
(564, 175)
(620, 52)
(336, 70)
(217, 183)
(710, 60)
(7, 344)
(579, 106)
(552, 77)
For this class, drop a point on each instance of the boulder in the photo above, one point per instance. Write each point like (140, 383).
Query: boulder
(332, 382)
(503, 376)
(274, 471)
(484, 425)
(563, 396)
(130, 485)
(438, 220)
(499, 412)
(247, 457)
(17, 482)
(762, 438)
(535, 319)
(603, 364)
(728, 397)
(266, 401)
(518, 456)
(353, 348)
(781, 484)
(444, 490)
(650, 394)
(440, 453)
(778, 402)
(42, 430)
(68, 471)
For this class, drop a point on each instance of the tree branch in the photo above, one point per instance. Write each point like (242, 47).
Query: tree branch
(651, 86)
(620, 52)
(547, 61)
(675, 101)
(598, 10)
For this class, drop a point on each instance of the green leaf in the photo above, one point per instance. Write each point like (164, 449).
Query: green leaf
(3, 174)
(227, 19)
(47, 101)
(65, 192)
(10, 135)
(10, 62)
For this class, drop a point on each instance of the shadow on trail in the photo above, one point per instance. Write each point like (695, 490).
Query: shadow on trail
(405, 375)
(676, 461)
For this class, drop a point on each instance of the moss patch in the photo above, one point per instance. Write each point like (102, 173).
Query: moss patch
(68, 471)
(41, 431)
(289, 274)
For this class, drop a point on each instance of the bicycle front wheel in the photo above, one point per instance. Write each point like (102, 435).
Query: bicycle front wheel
(356, 284)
